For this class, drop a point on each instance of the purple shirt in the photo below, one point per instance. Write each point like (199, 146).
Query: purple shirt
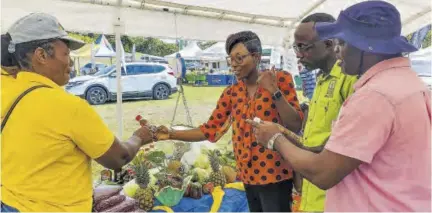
(386, 124)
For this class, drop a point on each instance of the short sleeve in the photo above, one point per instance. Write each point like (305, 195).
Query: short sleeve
(364, 125)
(286, 86)
(348, 86)
(216, 122)
(89, 132)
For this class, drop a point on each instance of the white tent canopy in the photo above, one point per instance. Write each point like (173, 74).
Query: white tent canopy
(272, 20)
(217, 49)
(190, 52)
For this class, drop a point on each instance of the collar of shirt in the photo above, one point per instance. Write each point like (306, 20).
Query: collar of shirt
(32, 77)
(381, 66)
(334, 72)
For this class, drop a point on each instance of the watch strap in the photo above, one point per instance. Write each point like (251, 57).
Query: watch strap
(277, 95)
(272, 140)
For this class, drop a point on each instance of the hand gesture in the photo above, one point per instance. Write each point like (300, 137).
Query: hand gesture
(264, 130)
(267, 80)
(162, 133)
(145, 134)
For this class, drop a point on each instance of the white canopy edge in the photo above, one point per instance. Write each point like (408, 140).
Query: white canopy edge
(155, 18)
(96, 18)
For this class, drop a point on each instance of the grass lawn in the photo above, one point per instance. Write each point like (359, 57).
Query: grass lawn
(201, 102)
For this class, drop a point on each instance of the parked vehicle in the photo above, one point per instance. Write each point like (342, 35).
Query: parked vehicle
(141, 80)
(87, 68)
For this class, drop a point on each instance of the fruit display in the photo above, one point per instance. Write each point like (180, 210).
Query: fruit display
(144, 194)
(194, 190)
(217, 177)
(230, 174)
(155, 175)
(208, 188)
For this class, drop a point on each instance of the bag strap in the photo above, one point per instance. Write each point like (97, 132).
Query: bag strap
(3, 123)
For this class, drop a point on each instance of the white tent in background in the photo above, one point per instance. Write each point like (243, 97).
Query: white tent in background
(214, 57)
(103, 48)
(216, 51)
(190, 52)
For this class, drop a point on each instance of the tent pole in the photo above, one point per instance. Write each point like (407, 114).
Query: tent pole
(79, 67)
(117, 28)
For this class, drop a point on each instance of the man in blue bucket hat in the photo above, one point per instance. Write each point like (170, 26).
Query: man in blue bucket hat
(378, 157)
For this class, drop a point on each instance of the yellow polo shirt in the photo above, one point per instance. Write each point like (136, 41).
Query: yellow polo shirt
(6, 79)
(330, 93)
(47, 146)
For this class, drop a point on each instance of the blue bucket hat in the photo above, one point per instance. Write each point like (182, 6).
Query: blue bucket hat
(371, 26)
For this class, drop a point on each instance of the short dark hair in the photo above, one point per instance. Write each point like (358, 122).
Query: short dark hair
(248, 38)
(23, 50)
(319, 17)
(7, 59)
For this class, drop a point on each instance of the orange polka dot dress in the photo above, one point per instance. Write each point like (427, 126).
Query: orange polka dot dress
(256, 164)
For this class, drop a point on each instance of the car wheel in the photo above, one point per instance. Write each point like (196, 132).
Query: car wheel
(96, 96)
(161, 92)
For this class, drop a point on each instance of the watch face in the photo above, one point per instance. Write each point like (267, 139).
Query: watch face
(277, 95)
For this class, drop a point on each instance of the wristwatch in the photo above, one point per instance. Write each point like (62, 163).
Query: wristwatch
(277, 95)
(272, 140)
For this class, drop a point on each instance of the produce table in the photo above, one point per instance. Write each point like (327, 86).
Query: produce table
(230, 199)
(233, 200)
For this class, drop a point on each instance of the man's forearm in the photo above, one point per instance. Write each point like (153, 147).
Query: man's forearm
(302, 161)
(132, 146)
(297, 141)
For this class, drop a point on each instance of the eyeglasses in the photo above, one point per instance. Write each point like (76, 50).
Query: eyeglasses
(238, 58)
(302, 48)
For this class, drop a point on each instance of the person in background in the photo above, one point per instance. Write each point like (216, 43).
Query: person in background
(332, 88)
(180, 68)
(378, 157)
(308, 78)
(51, 137)
(268, 95)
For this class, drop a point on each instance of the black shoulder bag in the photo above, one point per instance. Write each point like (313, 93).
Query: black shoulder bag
(3, 123)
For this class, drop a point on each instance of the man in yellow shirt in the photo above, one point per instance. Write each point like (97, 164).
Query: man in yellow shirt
(51, 136)
(332, 89)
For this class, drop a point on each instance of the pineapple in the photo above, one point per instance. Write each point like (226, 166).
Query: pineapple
(174, 165)
(144, 194)
(217, 177)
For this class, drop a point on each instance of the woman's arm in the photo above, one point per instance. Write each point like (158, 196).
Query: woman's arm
(287, 103)
(212, 130)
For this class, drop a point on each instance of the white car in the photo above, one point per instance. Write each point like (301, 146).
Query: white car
(423, 68)
(141, 80)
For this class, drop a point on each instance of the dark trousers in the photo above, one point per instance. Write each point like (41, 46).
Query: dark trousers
(6, 208)
(274, 197)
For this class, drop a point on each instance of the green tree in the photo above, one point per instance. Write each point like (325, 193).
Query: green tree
(152, 46)
(82, 37)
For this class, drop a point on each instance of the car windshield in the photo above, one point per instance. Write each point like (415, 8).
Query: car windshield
(104, 71)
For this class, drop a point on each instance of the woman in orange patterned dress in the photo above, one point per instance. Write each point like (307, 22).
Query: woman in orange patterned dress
(269, 95)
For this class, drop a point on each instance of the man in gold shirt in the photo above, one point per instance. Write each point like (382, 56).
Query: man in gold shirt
(51, 136)
(332, 89)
